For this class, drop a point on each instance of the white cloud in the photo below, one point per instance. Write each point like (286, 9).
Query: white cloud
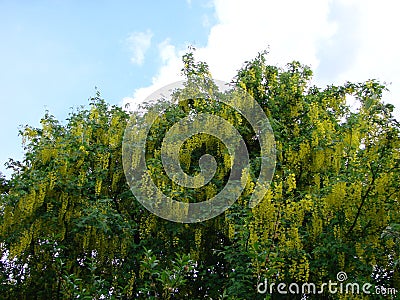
(168, 73)
(371, 51)
(340, 39)
(291, 28)
(139, 43)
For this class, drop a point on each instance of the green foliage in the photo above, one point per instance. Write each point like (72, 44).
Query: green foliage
(71, 229)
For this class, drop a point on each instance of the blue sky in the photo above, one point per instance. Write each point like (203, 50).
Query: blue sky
(54, 53)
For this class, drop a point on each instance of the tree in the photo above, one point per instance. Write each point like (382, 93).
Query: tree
(71, 227)
(336, 183)
(3, 184)
(66, 203)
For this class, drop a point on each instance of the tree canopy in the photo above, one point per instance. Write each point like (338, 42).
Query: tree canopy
(70, 226)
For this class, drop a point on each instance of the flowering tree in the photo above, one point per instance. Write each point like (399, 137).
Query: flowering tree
(70, 226)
